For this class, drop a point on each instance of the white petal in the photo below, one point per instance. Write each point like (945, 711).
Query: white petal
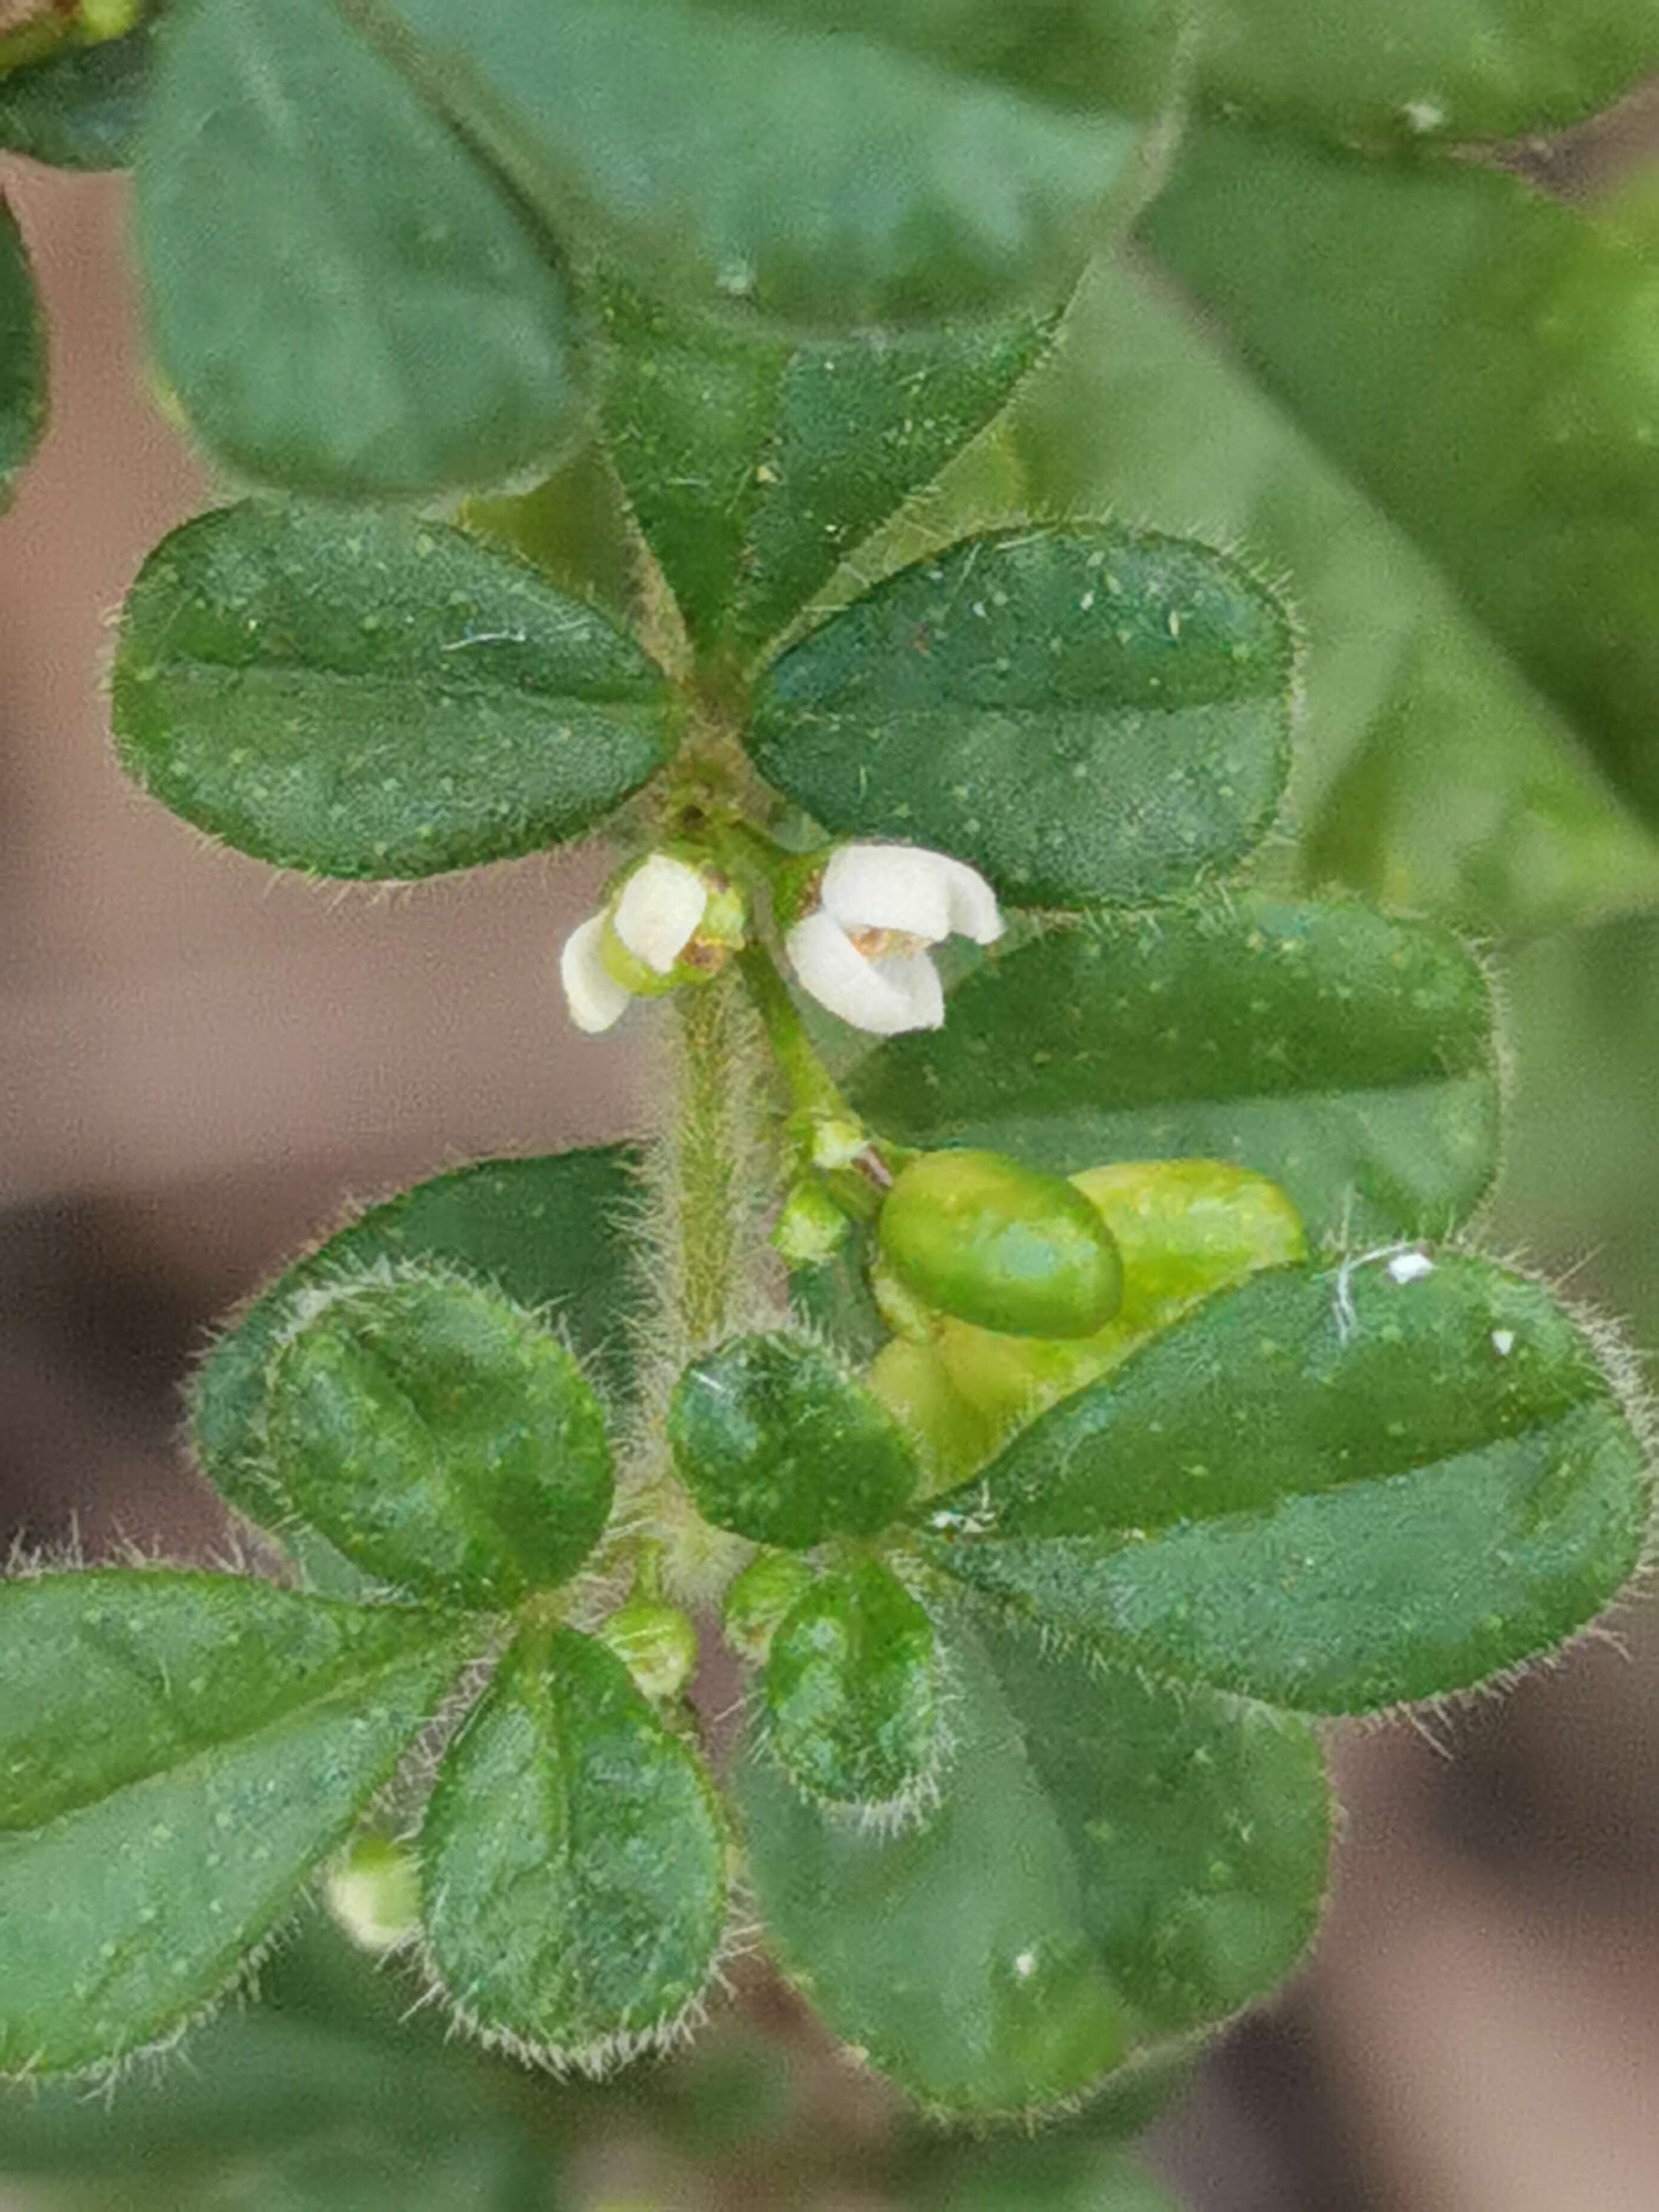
(974, 911)
(658, 914)
(888, 887)
(595, 998)
(884, 997)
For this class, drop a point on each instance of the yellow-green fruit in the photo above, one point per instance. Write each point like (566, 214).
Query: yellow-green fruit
(952, 1437)
(1003, 1246)
(1184, 1228)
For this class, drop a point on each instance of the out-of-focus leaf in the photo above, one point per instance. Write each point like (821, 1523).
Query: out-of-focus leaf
(81, 108)
(22, 354)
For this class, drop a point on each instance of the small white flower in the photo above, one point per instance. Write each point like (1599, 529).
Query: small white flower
(863, 950)
(650, 926)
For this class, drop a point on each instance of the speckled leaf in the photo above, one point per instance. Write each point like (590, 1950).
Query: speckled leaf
(1347, 1057)
(439, 1436)
(573, 1860)
(1110, 1864)
(1085, 712)
(549, 1232)
(851, 1695)
(776, 1444)
(1421, 70)
(177, 1751)
(1330, 1489)
(81, 108)
(343, 296)
(1481, 359)
(756, 464)
(859, 164)
(23, 355)
(358, 695)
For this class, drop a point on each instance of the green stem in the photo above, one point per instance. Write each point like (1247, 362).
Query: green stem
(813, 1090)
(709, 1193)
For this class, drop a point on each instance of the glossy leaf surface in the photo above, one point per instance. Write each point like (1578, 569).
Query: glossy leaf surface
(852, 1695)
(1085, 712)
(551, 1233)
(776, 1444)
(362, 696)
(573, 1859)
(1347, 1057)
(177, 1752)
(1110, 1862)
(441, 1436)
(344, 297)
(1330, 1489)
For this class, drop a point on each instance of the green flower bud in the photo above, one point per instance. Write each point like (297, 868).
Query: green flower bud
(912, 1381)
(759, 1598)
(374, 1891)
(657, 1644)
(809, 1228)
(1007, 1247)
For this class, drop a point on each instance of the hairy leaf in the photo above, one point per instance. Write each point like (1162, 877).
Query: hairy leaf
(1347, 1057)
(360, 695)
(851, 1692)
(858, 165)
(1086, 713)
(1331, 1489)
(177, 1752)
(1479, 358)
(1111, 1862)
(441, 1436)
(22, 354)
(344, 299)
(80, 108)
(757, 464)
(1430, 772)
(573, 1859)
(776, 1444)
(1422, 69)
(549, 1232)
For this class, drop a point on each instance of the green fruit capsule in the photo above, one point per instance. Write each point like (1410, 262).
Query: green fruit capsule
(912, 1381)
(851, 1689)
(1184, 1228)
(1003, 1246)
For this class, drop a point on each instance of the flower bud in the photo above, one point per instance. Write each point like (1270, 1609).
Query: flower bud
(809, 1228)
(374, 1891)
(759, 1598)
(1003, 1246)
(657, 1644)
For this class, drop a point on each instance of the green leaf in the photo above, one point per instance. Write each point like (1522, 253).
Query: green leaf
(573, 1861)
(1416, 70)
(756, 465)
(439, 1436)
(343, 298)
(864, 164)
(22, 354)
(1042, 2176)
(1331, 1489)
(177, 1751)
(1346, 1056)
(1111, 1861)
(1479, 358)
(833, 1299)
(1479, 803)
(1085, 712)
(575, 528)
(851, 1692)
(359, 695)
(550, 1233)
(776, 1444)
(81, 108)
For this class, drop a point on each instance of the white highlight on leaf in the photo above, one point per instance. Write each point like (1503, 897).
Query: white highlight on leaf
(659, 910)
(863, 953)
(1025, 1965)
(1410, 1266)
(1503, 1342)
(595, 998)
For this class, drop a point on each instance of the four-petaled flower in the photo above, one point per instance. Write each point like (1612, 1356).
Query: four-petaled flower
(863, 950)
